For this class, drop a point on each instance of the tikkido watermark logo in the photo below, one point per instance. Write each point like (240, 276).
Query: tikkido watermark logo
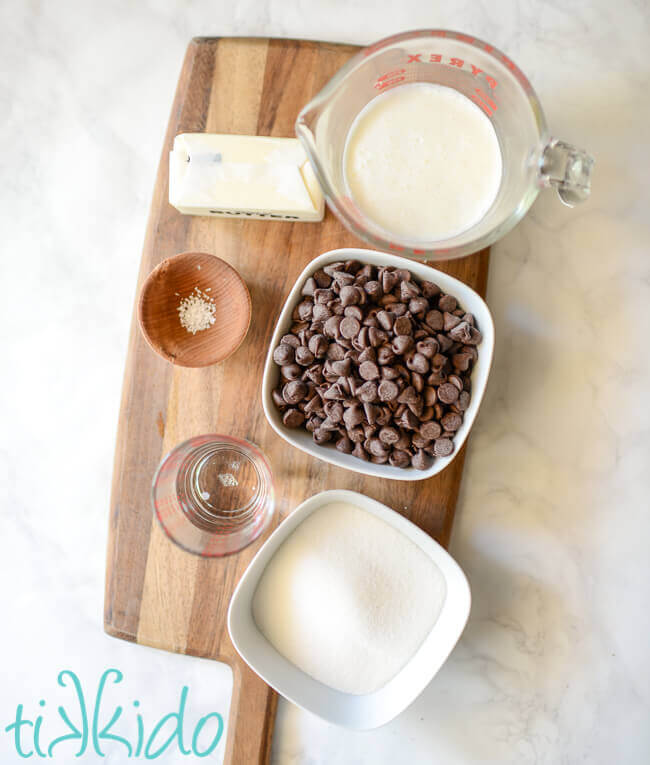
(104, 729)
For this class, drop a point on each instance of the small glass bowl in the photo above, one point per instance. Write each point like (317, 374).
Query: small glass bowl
(213, 495)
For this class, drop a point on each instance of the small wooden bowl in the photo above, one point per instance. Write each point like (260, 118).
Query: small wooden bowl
(174, 279)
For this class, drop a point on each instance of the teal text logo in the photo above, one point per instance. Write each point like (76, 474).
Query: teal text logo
(96, 727)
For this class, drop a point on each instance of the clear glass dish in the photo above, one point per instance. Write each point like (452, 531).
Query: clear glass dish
(213, 495)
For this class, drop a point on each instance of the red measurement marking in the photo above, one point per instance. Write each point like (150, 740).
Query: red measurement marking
(435, 58)
(491, 81)
(484, 101)
(456, 62)
(389, 79)
(475, 70)
(418, 252)
(414, 58)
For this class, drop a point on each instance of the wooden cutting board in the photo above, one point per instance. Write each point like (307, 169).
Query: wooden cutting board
(156, 594)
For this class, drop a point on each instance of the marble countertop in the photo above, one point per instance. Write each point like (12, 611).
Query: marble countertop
(552, 525)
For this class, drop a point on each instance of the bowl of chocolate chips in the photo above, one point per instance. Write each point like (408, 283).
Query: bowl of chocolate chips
(378, 364)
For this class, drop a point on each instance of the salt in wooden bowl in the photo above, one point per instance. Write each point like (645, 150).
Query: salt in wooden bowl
(175, 279)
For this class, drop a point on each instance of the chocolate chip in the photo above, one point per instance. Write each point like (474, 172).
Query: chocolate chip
(417, 381)
(430, 430)
(291, 340)
(421, 460)
(443, 447)
(448, 393)
(386, 320)
(342, 278)
(463, 401)
(389, 435)
(451, 421)
(318, 345)
(313, 423)
(376, 336)
(309, 287)
(461, 361)
(314, 404)
(373, 288)
(335, 352)
(278, 400)
(331, 326)
(419, 441)
(385, 355)
(369, 370)
(341, 368)
(323, 296)
(388, 280)
(360, 452)
(408, 395)
(429, 289)
(407, 420)
(356, 435)
(449, 321)
(434, 320)
(304, 356)
(321, 313)
(430, 396)
(418, 363)
(390, 373)
(418, 306)
(399, 458)
(455, 380)
(408, 290)
(350, 327)
(291, 371)
(376, 447)
(402, 343)
(349, 295)
(388, 390)
(334, 410)
(344, 445)
(284, 354)
(334, 392)
(294, 391)
(447, 303)
(403, 326)
(354, 312)
(367, 392)
(367, 354)
(352, 416)
(322, 279)
(322, 436)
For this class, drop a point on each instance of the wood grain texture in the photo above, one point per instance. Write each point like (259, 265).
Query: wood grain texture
(157, 594)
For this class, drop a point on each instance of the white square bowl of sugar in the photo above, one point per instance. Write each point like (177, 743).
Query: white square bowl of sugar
(470, 301)
(313, 611)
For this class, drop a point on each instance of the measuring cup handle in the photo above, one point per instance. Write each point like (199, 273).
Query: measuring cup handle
(568, 169)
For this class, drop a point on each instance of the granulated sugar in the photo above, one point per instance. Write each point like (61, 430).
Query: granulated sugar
(348, 599)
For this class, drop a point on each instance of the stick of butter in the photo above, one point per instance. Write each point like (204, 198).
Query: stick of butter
(240, 176)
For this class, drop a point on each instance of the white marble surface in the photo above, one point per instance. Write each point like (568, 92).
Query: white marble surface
(553, 523)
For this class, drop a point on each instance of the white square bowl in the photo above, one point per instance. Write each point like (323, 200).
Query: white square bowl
(361, 712)
(468, 299)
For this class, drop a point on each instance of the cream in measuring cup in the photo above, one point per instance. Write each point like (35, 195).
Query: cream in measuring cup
(412, 168)
(423, 162)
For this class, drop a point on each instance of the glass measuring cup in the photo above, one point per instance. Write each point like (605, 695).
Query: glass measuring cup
(532, 160)
(213, 495)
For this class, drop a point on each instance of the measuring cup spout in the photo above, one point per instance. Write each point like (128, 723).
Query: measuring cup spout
(568, 169)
